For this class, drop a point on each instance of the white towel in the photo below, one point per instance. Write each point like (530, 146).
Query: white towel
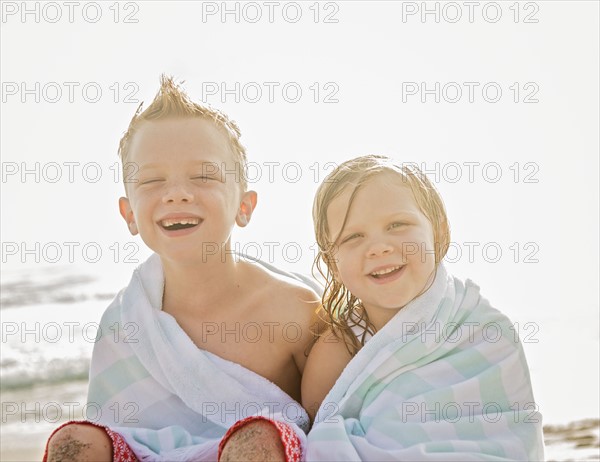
(168, 398)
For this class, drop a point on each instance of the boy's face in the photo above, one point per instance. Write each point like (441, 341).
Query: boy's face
(184, 196)
(384, 254)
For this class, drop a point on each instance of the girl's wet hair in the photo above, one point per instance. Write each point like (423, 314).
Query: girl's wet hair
(342, 308)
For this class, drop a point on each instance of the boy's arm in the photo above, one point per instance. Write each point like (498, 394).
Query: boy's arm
(326, 361)
(260, 439)
(309, 314)
(257, 438)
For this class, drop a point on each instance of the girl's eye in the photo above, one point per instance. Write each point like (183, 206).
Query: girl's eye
(351, 237)
(397, 225)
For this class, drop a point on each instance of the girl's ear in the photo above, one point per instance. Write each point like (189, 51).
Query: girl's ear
(127, 214)
(247, 206)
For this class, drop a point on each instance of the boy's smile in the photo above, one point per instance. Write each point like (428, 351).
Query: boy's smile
(185, 194)
(384, 250)
(174, 223)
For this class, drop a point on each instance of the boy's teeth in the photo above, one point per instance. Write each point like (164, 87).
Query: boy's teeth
(385, 271)
(180, 221)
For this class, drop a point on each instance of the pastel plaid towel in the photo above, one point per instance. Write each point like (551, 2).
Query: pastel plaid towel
(445, 379)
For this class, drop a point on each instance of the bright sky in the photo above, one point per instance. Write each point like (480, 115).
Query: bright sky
(497, 101)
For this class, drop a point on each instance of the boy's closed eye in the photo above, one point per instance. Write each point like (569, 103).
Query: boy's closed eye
(150, 180)
(205, 178)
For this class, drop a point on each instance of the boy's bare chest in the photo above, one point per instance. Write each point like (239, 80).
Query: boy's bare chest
(258, 346)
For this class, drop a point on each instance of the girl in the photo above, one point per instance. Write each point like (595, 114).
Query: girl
(422, 367)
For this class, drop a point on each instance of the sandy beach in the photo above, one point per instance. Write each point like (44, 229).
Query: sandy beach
(574, 441)
(29, 416)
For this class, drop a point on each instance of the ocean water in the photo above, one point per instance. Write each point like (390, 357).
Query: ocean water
(49, 324)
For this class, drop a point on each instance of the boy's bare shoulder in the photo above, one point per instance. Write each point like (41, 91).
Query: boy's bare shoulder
(289, 305)
(280, 290)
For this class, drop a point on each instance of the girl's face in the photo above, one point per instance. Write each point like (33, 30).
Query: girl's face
(384, 254)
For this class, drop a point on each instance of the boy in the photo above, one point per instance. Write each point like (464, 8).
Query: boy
(200, 338)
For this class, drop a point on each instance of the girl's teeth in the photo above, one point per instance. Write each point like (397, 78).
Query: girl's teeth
(386, 271)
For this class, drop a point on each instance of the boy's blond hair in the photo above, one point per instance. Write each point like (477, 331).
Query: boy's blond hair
(339, 304)
(171, 101)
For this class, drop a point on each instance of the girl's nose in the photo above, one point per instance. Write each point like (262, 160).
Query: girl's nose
(379, 248)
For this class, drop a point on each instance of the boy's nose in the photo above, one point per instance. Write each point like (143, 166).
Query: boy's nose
(177, 193)
(379, 248)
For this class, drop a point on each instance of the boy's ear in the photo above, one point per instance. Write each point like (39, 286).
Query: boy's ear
(247, 206)
(127, 215)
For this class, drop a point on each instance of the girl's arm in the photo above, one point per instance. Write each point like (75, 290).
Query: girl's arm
(325, 363)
